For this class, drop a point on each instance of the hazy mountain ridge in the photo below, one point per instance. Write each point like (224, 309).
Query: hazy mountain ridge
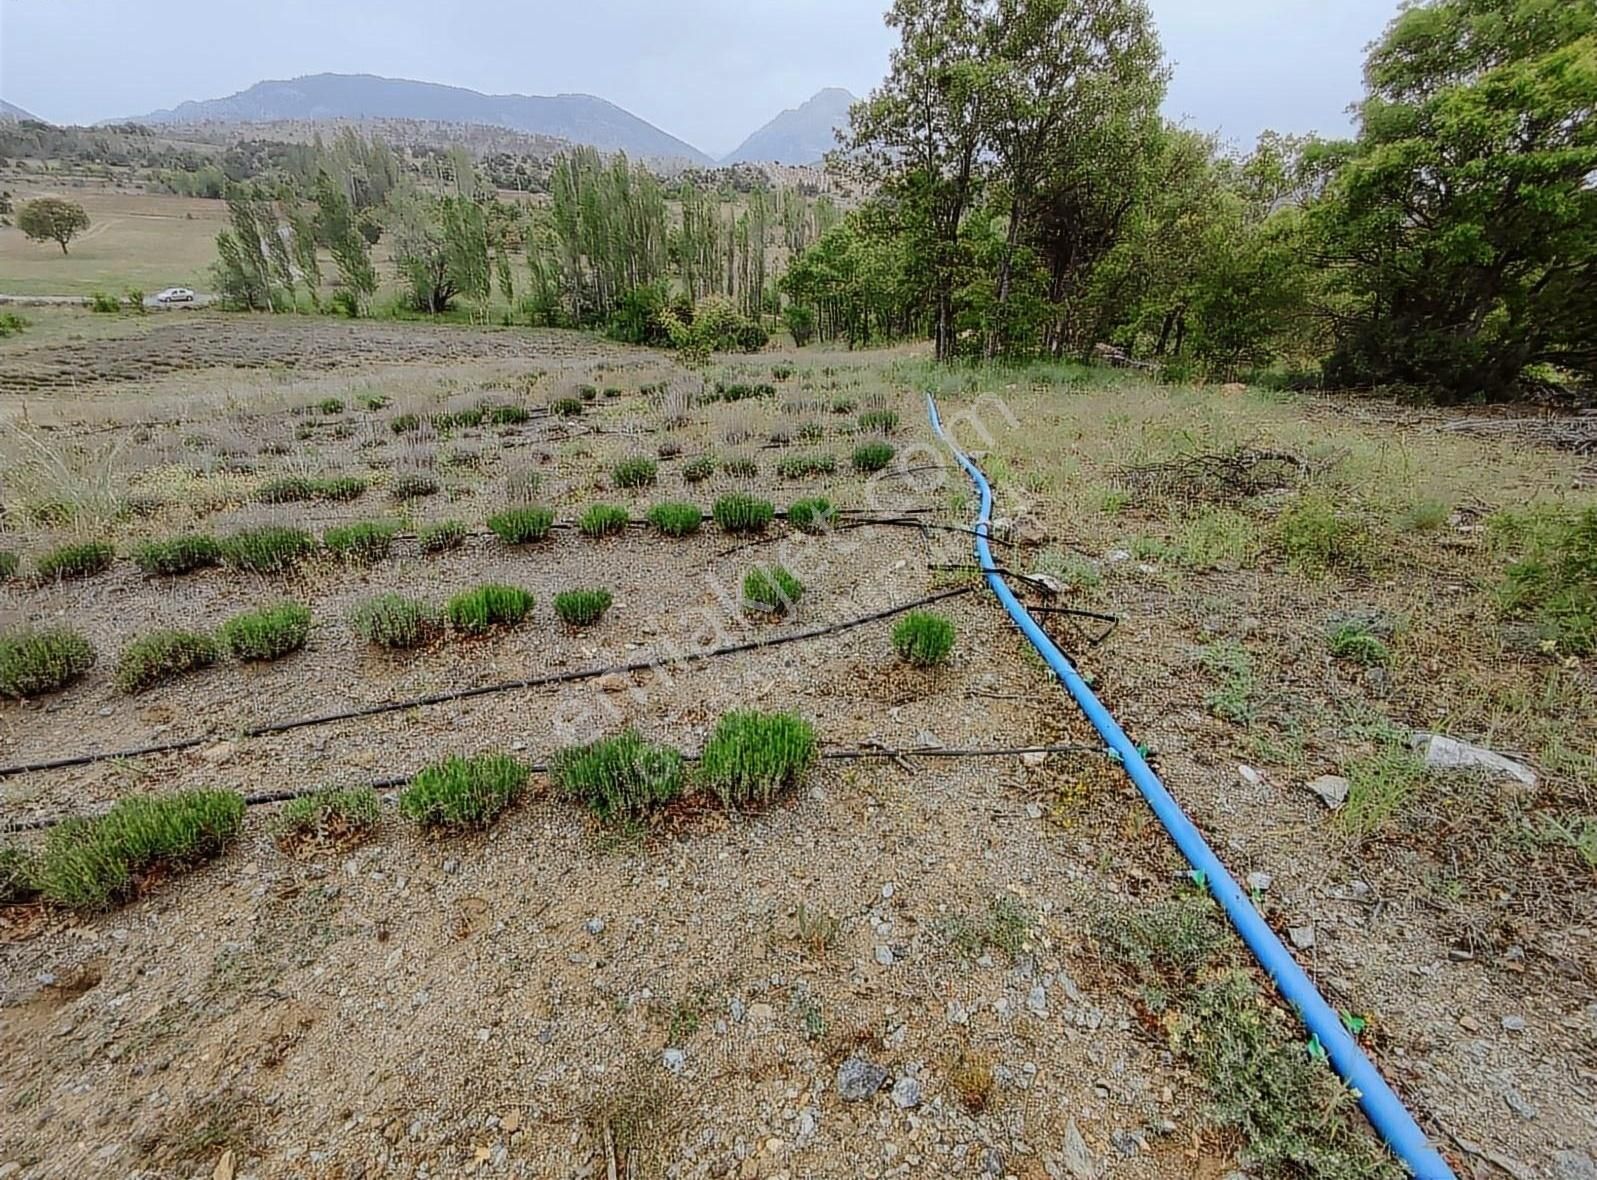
(800, 135)
(580, 118)
(10, 112)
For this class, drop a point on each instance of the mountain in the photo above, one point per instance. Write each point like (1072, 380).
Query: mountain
(580, 118)
(11, 113)
(800, 136)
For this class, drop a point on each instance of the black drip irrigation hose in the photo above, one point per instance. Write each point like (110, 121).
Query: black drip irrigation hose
(866, 753)
(275, 727)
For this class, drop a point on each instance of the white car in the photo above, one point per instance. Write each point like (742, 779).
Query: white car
(175, 295)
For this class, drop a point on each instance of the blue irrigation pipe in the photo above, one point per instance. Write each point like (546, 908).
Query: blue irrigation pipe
(1381, 1105)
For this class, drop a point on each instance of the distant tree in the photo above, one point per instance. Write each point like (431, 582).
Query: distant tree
(243, 269)
(51, 219)
(335, 226)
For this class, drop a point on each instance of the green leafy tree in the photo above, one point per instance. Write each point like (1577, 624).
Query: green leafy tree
(335, 226)
(244, 267)
(1461, 226)
(51, 219)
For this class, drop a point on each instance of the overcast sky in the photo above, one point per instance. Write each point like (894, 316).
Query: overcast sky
(708, 71)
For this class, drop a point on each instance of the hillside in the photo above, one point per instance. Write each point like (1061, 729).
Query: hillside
(580, 118)
(798, 136)
(11, 113)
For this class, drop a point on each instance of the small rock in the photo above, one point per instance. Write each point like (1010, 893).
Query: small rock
(1259, 882)
(1028, 530)
(1033, 758)
(451, 866)
(613, 682)
(928, 740)
(1519, 1106)
(858, 1079)
(219, 753)
(1249, 776)
(887, 891)
(1037, 1001)
(594, 926)
(807, 1122)
(1033, 811)
(906, 1093)
(958, 1013)
(1116, 556)
(1513, 1024)
(884, 956)
(1332, 789)
(1078, 1161)
(992, 1163)
(675, 1060)
(1574, 1165)
(1233, 387)
(1445, 753)
(1302, 937)
(761, 1013)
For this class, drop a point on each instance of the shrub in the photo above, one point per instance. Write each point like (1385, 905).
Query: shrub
(36, 662)
(582, 608)
(270, 549)
(338, 816)
(588, 393)
(330, 406)
(872, 456)
(89, 863)
(771, 588)
(9, 564)
(781, 371)
(444, 535)
(405, 424)
(338, 487)
(741, 513)
(1424, 516)
(603, 520)
(698, 469)
(843, 405)
(162, 655)
(463, 792)
(412, 486)
(802, 466)
(618, 776)
(506, 415)
(107, 304)
(519, 526)
(676, 520)
(566, 407)
(740, 467)
(885, 421)
(923, 638)
(1316, 538)
(395, 621)
(18, 868)
(752, 756)
(269, 633)
(289, 489)
(373, 401)
(470, 416)
(1554, 584)
(363, 542)
(80, 560)
(814, 515)
(12, 324)
(636, 472)
(178, 555)
(474, 612)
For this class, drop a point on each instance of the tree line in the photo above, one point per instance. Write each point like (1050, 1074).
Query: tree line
(1029, 200)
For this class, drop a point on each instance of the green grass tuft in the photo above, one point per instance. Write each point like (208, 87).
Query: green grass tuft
(1554, 584)
(9, 564)
(442, 536)
(269, 633)
(80, 560)
(334, 816)
(566, 407)
(291, 489)
(872, 456)
(478, 611)
(742, 513)
(603, 520)
(162, 655)
(405, 424)
(582, 608)
(395, 621)
(676, 519)
(618, 776)
(34, 662)
(636, 472)
(772, 589)
(1316, 538)
(923, 638)
(881, 421)
(814, 515)
(740, 467)
(1356, 642)
(412, 485)
(178, 555)
(363, 542)
(521, 526)
(270, 549)
(463, 792)
(698, 469)
(90, 863)
(806, 466)
(752, 757)
(18, 870)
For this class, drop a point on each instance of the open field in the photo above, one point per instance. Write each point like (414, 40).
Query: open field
(1010, 939)
(140, 240)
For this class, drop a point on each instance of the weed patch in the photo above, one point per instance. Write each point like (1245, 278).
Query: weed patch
(269, 633)
(81, 560)
(1316, 538)
(9, 564)
(463, 792)
(1378, 788)
(619, 776)
(1359, 644)
(160, 656)
(478, 611)
(1005, 924)
(89, 863)
(752, 757)
(335, 817)
(923, 638)
(1233, 699)
(33, 663)
(877, 421)
(1555, 583)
